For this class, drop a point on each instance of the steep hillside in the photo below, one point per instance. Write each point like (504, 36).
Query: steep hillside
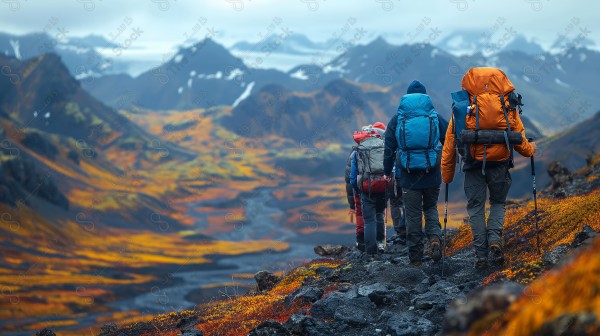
(330, 114)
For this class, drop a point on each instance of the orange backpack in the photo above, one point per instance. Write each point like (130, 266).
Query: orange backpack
(493, 107)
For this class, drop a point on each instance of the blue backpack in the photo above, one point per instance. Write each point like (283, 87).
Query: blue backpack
(460, 109)
(418, 133)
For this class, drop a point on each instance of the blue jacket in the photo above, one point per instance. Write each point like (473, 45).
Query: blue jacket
(414, 180)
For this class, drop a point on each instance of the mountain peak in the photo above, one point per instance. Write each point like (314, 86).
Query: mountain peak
(379, 42)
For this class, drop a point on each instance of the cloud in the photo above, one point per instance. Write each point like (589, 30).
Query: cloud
(166, 22)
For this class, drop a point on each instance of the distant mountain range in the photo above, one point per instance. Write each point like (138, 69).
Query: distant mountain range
(203, 75)
(81, 55)
(207, 74)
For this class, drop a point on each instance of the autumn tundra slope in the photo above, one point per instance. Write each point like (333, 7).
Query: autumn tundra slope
(90, 204)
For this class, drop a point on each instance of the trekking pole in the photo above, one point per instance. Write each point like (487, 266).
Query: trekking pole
(445, 222)
(385, 214)
(537, 228)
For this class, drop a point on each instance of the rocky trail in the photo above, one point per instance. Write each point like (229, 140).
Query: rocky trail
(386, 295)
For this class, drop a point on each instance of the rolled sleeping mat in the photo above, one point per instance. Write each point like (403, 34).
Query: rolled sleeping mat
(490, 136)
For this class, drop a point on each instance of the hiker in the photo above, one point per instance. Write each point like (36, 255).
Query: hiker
(488, 103)
(355, 208)
(411, 141)
(366, 177)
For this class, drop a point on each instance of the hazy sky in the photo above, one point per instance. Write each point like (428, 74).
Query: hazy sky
(163, 24)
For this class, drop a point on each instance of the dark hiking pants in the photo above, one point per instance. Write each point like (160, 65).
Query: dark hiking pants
(373, 210)
(397, 209)
(497, 182)
(419, 202)
(360, 224)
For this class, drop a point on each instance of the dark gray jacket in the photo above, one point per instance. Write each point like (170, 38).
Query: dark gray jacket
(349, 189)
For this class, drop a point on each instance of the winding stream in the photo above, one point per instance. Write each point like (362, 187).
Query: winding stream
(260, 224)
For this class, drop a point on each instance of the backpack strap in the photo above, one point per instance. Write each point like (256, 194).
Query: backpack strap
(485, 147)
(476, 112)
(404, 148)
(456, 143)
(508, 145)
(429, 143)
(370, 178)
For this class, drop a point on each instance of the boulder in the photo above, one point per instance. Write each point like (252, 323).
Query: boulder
(191, 332)
(356, 312)
(108, 329)
(335, 251)
(300, 324)
(307, 294)
(553, 257)
(561, 176)
(495, 299)
(366, 290)
(408, 324)
(266, 280)
(325, 307)
(45, 332)
(269, 328)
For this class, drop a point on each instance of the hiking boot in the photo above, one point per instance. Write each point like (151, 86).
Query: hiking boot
(496, 254)
(436, 250)
(481, 264)
(381, 247)
(360, 246)
(400, 237)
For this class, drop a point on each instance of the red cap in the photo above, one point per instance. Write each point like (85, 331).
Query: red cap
(379, 125)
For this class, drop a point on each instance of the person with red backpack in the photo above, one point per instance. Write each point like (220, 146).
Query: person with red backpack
(355, 207)
(484, 129)
(411, 141)
(366, 177)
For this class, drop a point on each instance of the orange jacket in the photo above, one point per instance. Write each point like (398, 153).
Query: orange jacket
(476, 150)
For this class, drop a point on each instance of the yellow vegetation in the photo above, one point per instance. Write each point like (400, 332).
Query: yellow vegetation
(573, 289)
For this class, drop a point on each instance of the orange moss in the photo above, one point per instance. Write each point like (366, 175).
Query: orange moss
(573, 289)
(239, 315)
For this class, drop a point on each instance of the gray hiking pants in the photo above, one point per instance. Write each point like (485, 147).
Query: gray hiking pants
(497, 181)
(373, 211)
(419, 202)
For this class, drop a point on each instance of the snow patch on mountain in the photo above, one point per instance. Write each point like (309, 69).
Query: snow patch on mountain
(299, 75)
(16, 50)
(244, 94)
(234, 73)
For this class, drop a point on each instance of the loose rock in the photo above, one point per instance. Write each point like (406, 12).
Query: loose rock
(266, 280)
